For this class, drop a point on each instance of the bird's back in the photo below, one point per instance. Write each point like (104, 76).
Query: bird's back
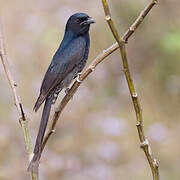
(66, 63)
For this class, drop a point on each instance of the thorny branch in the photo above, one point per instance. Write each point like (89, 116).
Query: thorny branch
(143, 140)
(22, 118)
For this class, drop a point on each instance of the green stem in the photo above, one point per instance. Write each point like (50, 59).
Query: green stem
(143, 141)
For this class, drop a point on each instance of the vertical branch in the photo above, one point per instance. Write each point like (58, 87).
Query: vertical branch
(143, 141)
(99, 59)
(22, 118)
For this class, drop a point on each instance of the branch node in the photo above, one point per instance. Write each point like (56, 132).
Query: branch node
(56, 110)
(134, 95)
(92, 68)
(53, 130)
(144, 143)
(107, 17)
(124, 41)
(132, 28)
(156, 164)
(138, 124)
(125, 70)
(155, 1)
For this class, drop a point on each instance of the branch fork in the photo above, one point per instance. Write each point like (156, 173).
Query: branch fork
(144, 144)
(119, 44)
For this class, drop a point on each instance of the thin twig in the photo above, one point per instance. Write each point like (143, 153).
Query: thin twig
(143, 140)
(92, 67)
(22, 118)
(139, 20)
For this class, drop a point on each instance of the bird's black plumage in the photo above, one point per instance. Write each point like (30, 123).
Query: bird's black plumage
(68, 61)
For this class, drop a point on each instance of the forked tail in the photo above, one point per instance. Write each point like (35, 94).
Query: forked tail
(34, 164)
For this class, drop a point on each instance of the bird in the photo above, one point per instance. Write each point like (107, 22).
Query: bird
(68, 61)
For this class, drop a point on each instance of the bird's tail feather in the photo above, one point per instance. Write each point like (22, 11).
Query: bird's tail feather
(38, 103)
(34, 164)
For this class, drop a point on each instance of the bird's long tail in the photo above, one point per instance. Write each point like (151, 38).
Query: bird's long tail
(34, 164)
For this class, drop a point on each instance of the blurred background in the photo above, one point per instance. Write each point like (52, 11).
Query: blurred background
(96, 136)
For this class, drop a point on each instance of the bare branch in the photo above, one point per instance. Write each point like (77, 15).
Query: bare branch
(139, 20)
(144, 142)
(92, 67)
(22, 118)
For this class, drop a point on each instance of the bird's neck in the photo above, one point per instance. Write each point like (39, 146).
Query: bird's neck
(69, 36)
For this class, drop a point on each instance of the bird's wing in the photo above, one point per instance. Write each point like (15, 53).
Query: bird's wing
(62, 64)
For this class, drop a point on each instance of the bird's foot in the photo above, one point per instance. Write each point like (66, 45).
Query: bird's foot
(78, 77)
(67, 90)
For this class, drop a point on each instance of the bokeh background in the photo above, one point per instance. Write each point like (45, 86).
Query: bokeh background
(96, 137)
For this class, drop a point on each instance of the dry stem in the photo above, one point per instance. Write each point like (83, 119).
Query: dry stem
(22, 118)
(144, 142)
(90, 69)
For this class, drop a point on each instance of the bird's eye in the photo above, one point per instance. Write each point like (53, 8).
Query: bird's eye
(78, 20)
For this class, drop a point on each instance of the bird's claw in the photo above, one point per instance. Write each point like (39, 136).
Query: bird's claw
(67, 90)
(78, 77)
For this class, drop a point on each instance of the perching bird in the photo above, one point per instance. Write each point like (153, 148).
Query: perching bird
(68, 61)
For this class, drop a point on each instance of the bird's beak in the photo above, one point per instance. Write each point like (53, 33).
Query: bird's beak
(90, 20)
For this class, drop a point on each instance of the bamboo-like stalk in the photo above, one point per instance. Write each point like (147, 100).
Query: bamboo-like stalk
(22, 118)
(143, 140)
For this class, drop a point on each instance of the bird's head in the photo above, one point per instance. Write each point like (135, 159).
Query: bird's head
(79, 23)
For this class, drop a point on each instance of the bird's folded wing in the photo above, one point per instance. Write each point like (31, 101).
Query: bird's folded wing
(62, 64)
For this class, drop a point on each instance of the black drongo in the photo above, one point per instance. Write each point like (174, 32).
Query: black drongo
(68, 61)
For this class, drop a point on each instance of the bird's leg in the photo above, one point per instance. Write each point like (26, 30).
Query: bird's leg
(78, 77)
(67, 90)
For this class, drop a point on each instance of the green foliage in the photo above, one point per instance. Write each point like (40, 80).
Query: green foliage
(171, 42)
